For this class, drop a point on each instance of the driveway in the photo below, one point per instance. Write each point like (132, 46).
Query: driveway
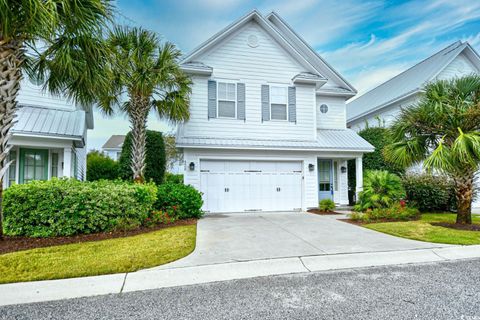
(252, 236)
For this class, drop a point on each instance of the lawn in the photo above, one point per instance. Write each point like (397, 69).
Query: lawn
(99, 257)
(422, 229)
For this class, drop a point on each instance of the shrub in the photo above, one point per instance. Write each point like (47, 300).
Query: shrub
(173, 178)
(430, 193)
(154, 158)
(62, 207)
(396, 212)
(99, 166)
(380, 190)
(179, 200)
(326, 205)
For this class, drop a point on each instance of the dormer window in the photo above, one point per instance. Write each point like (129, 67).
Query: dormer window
(227, 100)
(278, 103)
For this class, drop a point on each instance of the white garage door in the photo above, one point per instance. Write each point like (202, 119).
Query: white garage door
(235, 186)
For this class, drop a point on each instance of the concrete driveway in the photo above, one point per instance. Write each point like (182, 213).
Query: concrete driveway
(252, 236)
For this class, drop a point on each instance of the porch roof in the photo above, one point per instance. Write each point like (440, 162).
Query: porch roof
(327, 140)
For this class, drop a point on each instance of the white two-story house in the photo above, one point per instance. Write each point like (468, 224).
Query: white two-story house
(48, 139)
(268, 121)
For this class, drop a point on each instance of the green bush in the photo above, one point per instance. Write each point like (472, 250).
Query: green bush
(326, 205)
(396, 212)
(430, 193)
(179, 200)
(154, 158)
(173, 178)
(99, 167)
(62, 207)
(380, 190)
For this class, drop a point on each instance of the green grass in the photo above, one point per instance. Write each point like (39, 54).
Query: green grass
(99, 257)
(422, 229)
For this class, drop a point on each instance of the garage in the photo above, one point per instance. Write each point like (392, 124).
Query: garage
(240, 185)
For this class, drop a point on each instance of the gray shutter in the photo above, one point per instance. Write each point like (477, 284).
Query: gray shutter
(292, 104)
(241, 101)
(265, 102)
(212, 99)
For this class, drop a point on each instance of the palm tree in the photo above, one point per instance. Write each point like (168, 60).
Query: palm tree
(56, 42)
(442, 130)
(147, 72)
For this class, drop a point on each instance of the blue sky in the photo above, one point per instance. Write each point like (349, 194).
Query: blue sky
(367, 41)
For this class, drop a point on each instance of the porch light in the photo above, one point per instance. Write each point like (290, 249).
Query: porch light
(191, 166)
(311, 167)
(343, 169)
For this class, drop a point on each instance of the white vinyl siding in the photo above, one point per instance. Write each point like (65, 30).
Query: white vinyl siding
(278, 103)
(335, 118)
(459, 67)
(226, 100)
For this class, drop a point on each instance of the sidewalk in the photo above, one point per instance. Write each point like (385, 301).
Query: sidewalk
(29, 292)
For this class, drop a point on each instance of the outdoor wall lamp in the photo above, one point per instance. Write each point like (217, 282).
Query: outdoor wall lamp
(311, 167)
(343, 169)
(191, 166)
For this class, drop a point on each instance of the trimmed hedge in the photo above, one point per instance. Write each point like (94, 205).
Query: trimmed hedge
(179, 200)
(155, 160)
(396, 212)
(62, 207)
(99, 167)
(430, 193)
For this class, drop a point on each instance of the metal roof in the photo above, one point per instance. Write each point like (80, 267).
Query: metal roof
(404, 84)
(114, 142)
(44, 121)
(327, 140)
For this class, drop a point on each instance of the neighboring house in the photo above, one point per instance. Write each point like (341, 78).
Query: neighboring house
(267, 129)
(381, 105)
(48, 138)
(113, 147)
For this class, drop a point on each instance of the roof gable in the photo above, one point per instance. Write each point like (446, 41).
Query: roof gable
(409, 82)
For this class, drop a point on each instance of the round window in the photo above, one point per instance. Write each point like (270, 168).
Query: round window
(323, 108)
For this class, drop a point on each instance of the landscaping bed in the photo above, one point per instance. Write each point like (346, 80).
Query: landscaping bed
(18, 243)
(323, 213)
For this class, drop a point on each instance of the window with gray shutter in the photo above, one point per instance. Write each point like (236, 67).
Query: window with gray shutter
(265, 102)
(292, 104)
(241, 101)
(279, 102)
(212, 99)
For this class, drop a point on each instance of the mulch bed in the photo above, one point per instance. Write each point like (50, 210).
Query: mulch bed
(323, 213)
(457, 226)
(359, 222)
(12, 244)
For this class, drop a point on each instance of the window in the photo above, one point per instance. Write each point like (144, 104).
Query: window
(323, 108)
(54, 165)
(227, 96)
(33, 165)
(335, 175)
(12, 170)
(278, 103)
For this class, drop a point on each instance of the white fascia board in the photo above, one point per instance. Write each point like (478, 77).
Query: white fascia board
(242, 147)
(335, 93)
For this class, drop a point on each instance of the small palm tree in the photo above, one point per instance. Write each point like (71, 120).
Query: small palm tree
(147, 72)
(442, 131)
(380, 190)
(57, 42)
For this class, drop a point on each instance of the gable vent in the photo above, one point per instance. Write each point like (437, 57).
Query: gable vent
(252, 41)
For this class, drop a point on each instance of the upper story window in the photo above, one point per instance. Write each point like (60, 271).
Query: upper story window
(227, 97)
(278, 103)
(323, 108)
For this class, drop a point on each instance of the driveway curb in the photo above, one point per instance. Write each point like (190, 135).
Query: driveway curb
(39, 291)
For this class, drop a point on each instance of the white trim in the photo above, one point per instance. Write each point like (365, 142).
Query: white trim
(49, 136)
(242, 147)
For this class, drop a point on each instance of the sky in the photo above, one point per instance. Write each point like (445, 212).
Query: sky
(368, 42)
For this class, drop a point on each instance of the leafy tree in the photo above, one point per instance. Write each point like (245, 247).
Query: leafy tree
(100, 166)
(442, 130)
(154, 157)
(62, 38)
(148, 73)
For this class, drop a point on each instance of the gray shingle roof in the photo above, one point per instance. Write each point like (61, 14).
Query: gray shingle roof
(114, 142)
(405, 83)
(327, 140)
(50, 122)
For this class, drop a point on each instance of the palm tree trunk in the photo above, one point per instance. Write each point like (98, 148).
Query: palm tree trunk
(138, 119)
(464, 193)
(11, 59)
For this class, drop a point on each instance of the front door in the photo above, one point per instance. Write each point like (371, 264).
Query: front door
(325, 183)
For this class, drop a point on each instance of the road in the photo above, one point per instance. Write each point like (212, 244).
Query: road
(445, 290)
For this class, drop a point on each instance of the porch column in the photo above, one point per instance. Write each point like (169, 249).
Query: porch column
(359, 175)
(67, 162)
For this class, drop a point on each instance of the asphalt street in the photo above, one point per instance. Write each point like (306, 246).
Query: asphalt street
(445, 290)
